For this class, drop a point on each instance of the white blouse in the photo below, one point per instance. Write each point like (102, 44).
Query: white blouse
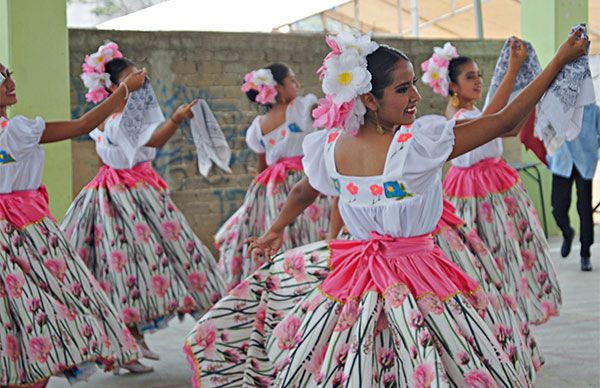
(111, 154)
(406, 200)
(491, 149)
(21, 155)
(286, 140)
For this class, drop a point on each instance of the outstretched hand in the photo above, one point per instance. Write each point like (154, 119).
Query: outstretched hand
(184, 112)
(518, 52)
(266, 246)
(135, 80)
(573, 48)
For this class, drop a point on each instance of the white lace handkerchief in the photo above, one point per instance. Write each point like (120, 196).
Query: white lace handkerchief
(141, 117)
(211, 145)
(560, 111)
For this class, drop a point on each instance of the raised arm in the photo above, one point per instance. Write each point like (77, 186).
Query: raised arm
(162, 135)
(518, 55)
(301, 197)
(62, 130)
(475, 133)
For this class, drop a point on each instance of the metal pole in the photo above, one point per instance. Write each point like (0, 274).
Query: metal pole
(414, 13)
(478, 19)
(400, 14)
(356, 15)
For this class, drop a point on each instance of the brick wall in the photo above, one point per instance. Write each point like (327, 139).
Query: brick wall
(185, 65)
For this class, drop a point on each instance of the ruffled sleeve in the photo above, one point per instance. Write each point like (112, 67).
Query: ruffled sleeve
(299, 114)
(433, 142)
(254, 137)
(314, 164)
(23, 134)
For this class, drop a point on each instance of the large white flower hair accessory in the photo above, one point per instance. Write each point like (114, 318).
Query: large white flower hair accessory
(94, 76)
(435, 69)
(263, 82)
(345, 77)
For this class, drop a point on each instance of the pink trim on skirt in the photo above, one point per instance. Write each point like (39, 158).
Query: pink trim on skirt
(22, 208)
(489, 176)
(449, 218)
(278, 172)
(383, 261)
(109, 177)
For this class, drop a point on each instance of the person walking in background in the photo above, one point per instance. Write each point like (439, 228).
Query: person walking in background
(576, 161)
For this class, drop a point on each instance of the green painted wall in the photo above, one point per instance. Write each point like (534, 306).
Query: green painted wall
(34, 44)
(546, 23)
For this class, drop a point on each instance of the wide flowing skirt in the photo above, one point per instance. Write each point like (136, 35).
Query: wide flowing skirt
(141, 249)
(490, 198)
(56, 319)
(313, 317)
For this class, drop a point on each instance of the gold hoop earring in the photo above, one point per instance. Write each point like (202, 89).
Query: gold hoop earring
(379, 128)
(454, 100)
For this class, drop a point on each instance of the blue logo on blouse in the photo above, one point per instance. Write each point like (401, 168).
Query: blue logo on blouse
(6, 158)
(394, 189)
(294, 128)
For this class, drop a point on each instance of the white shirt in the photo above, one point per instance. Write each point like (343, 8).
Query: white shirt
(111, 154)
(491, 149)
(21, 155)
(406, 200)
(286, 140)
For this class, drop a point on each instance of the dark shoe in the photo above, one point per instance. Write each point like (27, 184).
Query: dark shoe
(586, 265)
(565, 249)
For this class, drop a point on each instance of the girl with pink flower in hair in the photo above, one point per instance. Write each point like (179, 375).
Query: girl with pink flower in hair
(487, 192)
(135, 241)
(276, 137)
(391, 290)
(55, 319)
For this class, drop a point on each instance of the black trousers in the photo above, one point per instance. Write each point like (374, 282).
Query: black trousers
(561, 202)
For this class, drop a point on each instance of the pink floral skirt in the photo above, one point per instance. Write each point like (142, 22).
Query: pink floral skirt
(140, 247)
(378, 313)
(263, 201)
(55, 317)
(466, 249)
(490, 198)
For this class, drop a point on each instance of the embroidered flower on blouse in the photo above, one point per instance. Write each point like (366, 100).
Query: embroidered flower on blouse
(394, 189)
(352, 188)
(332, 136)
(336, 184)
(283, 133)
(4, 124)
(272, 141)
(404, 137)
(6, 157)
(294, 128)
(376, 190)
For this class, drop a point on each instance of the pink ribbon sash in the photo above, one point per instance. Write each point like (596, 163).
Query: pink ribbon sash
(277, 172)
(109, 177)
(383, 261)
(22, 208)
(492, 175)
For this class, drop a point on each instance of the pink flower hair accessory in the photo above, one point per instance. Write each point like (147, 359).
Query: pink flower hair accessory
(94, 75)
(345, 77)
(435, 69)
(263, 82)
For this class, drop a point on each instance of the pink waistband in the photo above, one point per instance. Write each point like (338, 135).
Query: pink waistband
(382, 262)
(277, 172)
(109, 177)
(488, 176)
(449, 218)
(22, 208)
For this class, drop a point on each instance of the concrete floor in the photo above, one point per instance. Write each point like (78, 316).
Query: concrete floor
(571, 342)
